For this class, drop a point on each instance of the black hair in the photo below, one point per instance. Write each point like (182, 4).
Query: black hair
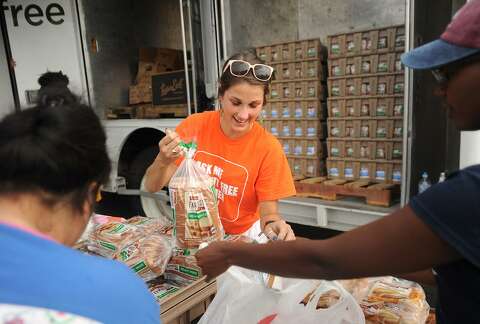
(227, 79)
(54, 90)
(55, 152)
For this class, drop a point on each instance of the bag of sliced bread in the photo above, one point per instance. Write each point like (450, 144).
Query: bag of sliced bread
(194, 202)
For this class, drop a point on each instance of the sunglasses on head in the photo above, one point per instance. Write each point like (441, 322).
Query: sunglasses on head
(240, 68)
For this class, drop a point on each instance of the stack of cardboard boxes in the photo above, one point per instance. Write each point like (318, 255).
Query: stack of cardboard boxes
(152, 61)
(365, 105)
(163, 65)
(295, 110)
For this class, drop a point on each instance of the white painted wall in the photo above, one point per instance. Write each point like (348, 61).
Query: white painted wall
(37, 49)
(6, 97)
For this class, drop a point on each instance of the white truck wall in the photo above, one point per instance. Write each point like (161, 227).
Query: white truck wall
(46, 47)
(7, 104)
(256, 23)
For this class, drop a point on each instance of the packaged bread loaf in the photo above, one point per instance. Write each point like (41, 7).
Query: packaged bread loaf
(182, 268)
(194, 202)
(389, 300)
(161, 289)
(107, 239)
(148, 256)
(148, 225)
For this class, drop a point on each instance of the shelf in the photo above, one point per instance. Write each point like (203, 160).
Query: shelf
(354, 76)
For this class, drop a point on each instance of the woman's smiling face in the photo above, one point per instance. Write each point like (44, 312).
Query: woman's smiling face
(241, 104)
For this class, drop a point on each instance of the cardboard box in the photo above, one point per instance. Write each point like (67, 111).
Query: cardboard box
(311, 70)
(336, 128)
(397, 173)
(397, 151)
(288, 51)
(275, 91)
(352, 44)
(382, 107)
(383, 150)
(158, 60)
(398, 65)
(398, 107)
(399, 34)
(287, 110)
(366, 170)
(398, 128)
(335, 169)
(383, 172)
(352, 87)
(336, 88)
(384, 85)
(286, 129)
(382, 129)
(336, 148)
(365, 128)
(336, 46)
(275, 128)
(365, 150)
(352, 128)
(314, 168)
(336, 108)
(350, 149)
(134, 96)
(398, 84)
(276, 110)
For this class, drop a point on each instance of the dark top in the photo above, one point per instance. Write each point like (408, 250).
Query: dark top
(452, 210)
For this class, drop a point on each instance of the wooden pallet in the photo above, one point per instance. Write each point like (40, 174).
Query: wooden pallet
(147, 111)
(125, 112)
(174, 111)
(376, 194)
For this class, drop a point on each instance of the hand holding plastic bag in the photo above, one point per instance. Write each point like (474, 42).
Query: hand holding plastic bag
(242, 297)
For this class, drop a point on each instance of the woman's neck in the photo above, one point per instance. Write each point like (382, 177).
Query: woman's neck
(27, 211)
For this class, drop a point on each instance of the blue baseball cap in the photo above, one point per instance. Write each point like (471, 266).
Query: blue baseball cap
(460, 39)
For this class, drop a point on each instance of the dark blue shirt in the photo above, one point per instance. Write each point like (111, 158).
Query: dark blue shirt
(41, 273)
(452, 210)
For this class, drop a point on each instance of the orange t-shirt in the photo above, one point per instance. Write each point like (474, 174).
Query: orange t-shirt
(247, 170)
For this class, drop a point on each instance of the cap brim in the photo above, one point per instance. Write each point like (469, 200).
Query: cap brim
(436, 54)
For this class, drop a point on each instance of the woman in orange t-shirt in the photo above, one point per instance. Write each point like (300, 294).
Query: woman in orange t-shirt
(247, 163)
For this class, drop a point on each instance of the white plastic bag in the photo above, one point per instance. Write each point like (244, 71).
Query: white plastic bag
(194, 201)
(243, 298)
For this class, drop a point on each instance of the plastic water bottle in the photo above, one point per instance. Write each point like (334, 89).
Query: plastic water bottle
(442, 177)
(424, 183)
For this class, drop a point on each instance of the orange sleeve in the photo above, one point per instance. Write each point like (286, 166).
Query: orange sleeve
(274, 178)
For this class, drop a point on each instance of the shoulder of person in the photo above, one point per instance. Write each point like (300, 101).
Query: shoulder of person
(117, 280)
(203, 116)
(266, 138)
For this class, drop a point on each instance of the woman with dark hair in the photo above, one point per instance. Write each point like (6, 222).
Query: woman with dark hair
(250, 169)
(54, 160)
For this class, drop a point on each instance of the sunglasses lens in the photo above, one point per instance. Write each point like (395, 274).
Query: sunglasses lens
(262, 72)
(239, 68)
(439, 76)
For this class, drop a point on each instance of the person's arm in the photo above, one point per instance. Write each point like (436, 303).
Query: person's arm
(272, 224)
(397, 243)
(424, 277)
(162, 169)
(158, 175)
